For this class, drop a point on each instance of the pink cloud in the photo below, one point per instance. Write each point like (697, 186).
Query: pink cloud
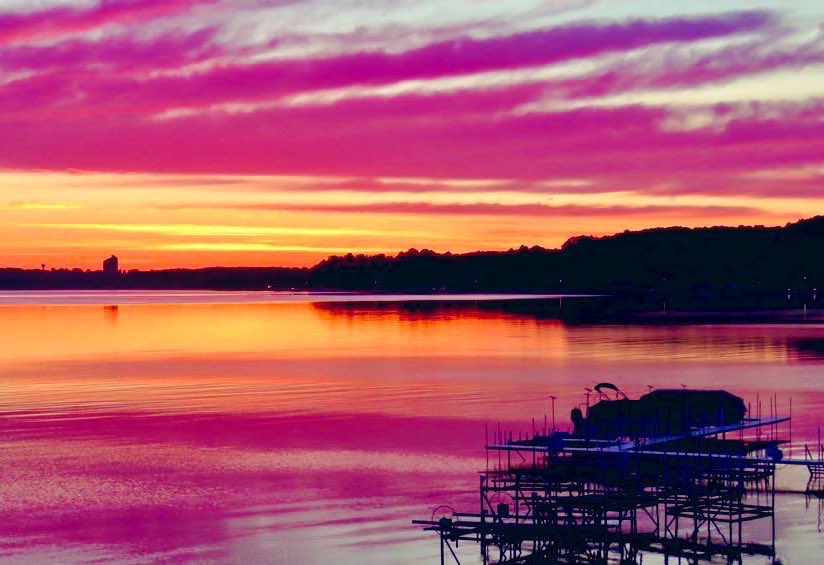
(686, 69)
(59, 21)
(267, 80)
(123, 53)
(742, 184)
(70, 114)
(406, 136)
(489, 209)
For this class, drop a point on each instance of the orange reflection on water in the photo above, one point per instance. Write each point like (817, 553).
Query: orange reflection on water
(467, 361)
(261, 357)
(286, 330)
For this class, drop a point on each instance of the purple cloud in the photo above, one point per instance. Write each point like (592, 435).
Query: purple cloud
(63, 20)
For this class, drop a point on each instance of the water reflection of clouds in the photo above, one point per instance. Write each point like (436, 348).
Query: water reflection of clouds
(245, 431)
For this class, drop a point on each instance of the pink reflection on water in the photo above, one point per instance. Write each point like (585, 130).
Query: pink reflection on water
(306, 433)
(185, 487)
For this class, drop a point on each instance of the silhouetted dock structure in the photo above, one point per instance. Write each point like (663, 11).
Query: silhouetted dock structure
(675, 473)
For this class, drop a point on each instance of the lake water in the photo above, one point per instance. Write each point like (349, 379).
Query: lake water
(250, 427)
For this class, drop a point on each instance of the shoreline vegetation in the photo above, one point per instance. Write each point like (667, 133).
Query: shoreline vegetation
(724, 272)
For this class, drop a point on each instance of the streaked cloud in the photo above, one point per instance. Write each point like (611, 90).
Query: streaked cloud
(275, 130)
(534, 209)
(224, 231)
(39, 206)
(268, 247)
(62, 20)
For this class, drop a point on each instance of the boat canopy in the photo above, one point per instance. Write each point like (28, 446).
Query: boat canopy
(660, 412)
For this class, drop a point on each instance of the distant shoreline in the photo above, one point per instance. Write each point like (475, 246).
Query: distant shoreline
(200, 296)
(725, 271)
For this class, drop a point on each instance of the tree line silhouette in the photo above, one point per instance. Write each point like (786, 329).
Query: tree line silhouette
(715, 267)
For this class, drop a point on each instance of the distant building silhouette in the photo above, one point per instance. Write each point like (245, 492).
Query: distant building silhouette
(110, 266)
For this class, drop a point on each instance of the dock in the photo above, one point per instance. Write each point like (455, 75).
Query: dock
(683, 490)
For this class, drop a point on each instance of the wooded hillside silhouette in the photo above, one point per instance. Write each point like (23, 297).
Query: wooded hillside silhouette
(713, 267)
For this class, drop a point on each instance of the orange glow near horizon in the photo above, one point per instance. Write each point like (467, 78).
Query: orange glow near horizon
(74, 220)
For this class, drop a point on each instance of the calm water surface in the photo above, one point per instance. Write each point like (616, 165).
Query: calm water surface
(245, 427)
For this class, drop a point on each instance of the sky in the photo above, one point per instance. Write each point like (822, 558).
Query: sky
(277, 132)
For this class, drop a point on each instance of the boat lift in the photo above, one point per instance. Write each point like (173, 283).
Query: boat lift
(560, 497)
